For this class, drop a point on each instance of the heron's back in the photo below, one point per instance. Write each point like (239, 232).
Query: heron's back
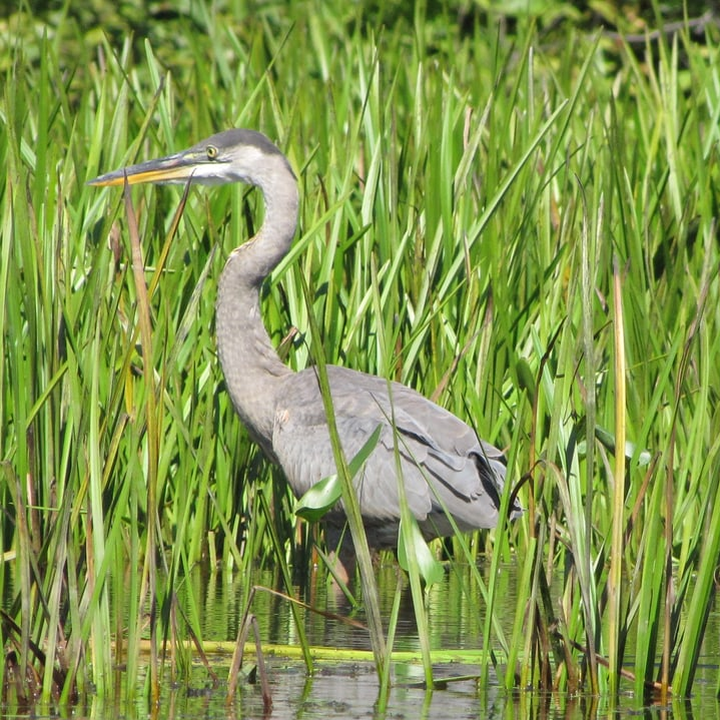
(445, 467)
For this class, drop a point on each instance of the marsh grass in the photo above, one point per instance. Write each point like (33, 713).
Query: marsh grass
(476, 210)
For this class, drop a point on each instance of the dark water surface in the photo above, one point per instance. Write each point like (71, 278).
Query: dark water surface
(350, 689)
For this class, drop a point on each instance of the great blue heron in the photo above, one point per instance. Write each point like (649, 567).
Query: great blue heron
(445, 466)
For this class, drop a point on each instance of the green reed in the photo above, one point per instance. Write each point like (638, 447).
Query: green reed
(476, 210)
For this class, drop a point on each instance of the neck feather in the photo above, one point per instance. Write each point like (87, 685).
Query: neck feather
(251, 366)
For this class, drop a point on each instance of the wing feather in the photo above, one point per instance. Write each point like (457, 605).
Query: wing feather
(442, 461)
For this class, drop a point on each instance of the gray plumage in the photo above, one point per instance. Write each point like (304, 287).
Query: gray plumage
(444, 463)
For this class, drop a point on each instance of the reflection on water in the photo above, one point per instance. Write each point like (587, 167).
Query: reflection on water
(453, 619)
(350, 690)
(341, 692)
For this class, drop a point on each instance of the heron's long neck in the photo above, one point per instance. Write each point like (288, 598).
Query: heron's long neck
(251, 366)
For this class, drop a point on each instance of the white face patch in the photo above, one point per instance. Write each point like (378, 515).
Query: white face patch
(247, 164)
(250, 164)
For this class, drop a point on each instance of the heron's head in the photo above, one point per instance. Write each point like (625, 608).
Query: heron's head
(232, 156)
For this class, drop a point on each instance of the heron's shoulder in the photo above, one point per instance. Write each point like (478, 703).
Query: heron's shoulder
(357, 395)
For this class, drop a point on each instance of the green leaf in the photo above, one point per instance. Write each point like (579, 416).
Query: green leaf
(608, 440)
(413, 548)
(322, 496)
(364, 452)
(325, 494)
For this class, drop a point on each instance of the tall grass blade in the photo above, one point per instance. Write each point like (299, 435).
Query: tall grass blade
(589, 247)
(287, 580)
(153, 439)
(705, 581)
(615, 621)
(351, 505)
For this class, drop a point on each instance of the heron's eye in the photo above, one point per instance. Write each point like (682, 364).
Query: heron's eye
(212, 152)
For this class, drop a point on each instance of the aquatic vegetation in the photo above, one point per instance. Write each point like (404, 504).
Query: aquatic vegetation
(520, 223)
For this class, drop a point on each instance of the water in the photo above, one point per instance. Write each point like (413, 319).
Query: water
(350, 690)
(342, 690)
(452, 618)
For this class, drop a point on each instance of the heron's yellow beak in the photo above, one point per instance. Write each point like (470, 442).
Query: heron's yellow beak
(171, 169)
